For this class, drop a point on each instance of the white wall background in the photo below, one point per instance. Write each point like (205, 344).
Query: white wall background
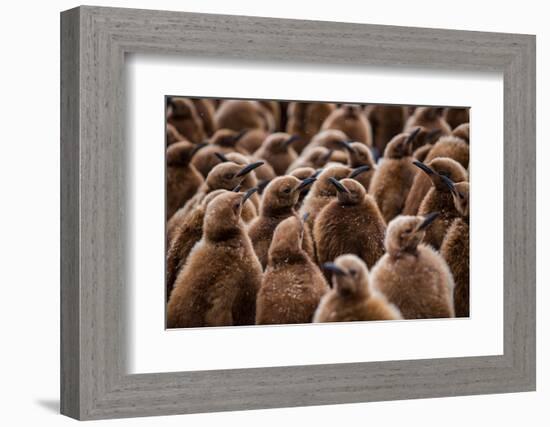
(29, 212)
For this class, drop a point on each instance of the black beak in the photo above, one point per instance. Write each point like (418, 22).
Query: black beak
(339, 187)
(412, 136)
(240, 135)
(449, 183)
(317, 173)
(261, 185)
(249, 168)
(347, 145)
(428, 219)
(221, 157)
(359, 171)
(237, 189)
(333, 268)
(292, 139)
(327, 156)
(197, 147)
(306, 182)
(248, 194)
(425, 168)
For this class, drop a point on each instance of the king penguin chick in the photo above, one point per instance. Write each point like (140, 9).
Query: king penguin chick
(172, 135)
(428, 118)
(448, 146)
(315, 158)
(252, 140)
(329, 138)
(182, 178)
(351, 120)
(301, 174)
(224, 176)
(305, 120)
(278, 203)
(242, 114)
(223, 141)
(411, 275)
(220, 280)
(349, 224)
(394, 175)
(386, 122)
(206, 109)
(292, 285)
(455, 248)
(439, 198)
(263, 174)
(463, 132)
(186, 120)
(360, 155)
(277, 151)
(352, 298)
(456, 116)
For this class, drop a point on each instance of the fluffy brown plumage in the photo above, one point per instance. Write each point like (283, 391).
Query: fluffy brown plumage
(439, 197)
(292, 285)
(455, 248)
(182, 178)
(184, 117)
(220, 280)
(386, 122)
(278, 203)
(349, 224)
(352, 298)
(428, 118)
(351, 120)
(172, 135)
(241, 115)
(206, 109)
(462, 131)
(412, 275)
(360, 155)
(277, 151)
(315, 158)
(305, 120)
(394, 176)
(447, 146)
(252, 140)
(456, 116)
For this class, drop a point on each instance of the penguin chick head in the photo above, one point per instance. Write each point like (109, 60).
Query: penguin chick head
(428, 114)
(180, 153)
(359, 154)
(330, 138)
(349, 191)
(319, 156)
(238, 158)
(279, 142)
(287, 240)
(404, 233)
(463, 132)
(350, 276)
(401, 145)
(351, 111)
(228, 175)
(303, 172)
(222, 219)
(442, 166)
(283, 193)
(461, 195)
(323, 186)
(226, 137)
(182, 108)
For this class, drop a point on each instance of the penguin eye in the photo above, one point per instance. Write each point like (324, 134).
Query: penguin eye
(353, 272)
(229, 176)
(409, 230)
(286, 190)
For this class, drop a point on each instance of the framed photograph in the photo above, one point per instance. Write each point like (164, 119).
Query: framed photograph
(261, 213)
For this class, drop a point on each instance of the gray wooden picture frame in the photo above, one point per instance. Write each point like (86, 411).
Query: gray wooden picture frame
(94, 41)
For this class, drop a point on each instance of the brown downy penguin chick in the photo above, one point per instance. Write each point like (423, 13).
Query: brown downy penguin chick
(456, 116)
(360, 155)
(277, 151)
(274, 108)
(420, 155)
(429, 118)
(206, 110)
(252, 140)
(301, 174)
(220, 280)
(352, 298)
(172, 135)
(439, 198)
(263, 174)
(455, 248)
(305, 120)
(182, 178)
(411, 275)
(242, 114)
(225, 176)
(223, 141)
(447, 146)
(278, 203)
(322, 192)
(349, 224)
(386, 122)
(394, 175)
(351, 120)
(329, 138)
(315, 158)
(186, 120)
(463, 132)
(292, 285)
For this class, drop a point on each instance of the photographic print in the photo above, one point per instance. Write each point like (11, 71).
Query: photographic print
(290, 212)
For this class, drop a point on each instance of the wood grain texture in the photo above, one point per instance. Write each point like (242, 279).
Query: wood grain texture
(95, 235)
